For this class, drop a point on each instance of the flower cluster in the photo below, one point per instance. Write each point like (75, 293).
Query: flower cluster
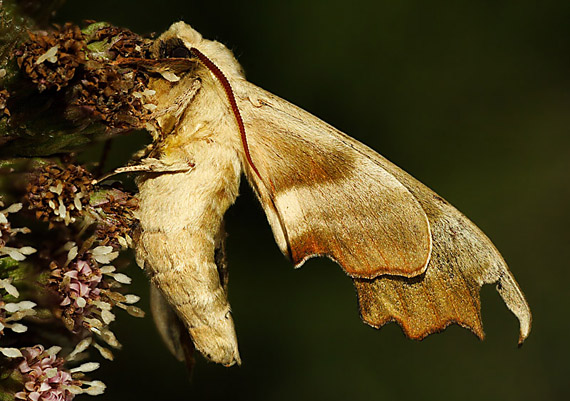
(4, 95)
(7, 232)
(12, 312)
(50, 59)
(73, 280)
(116, 219)
(79, 63)
(58, 193)
(86, 284)
(46, 378)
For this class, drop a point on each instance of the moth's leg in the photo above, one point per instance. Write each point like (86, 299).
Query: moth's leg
(149, 165)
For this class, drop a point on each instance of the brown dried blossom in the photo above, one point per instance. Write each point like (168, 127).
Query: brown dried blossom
(116, 219)
(59, 193)
(89, 64)
(4, 95)
(50, 59)
(121, 42)
(110, 91)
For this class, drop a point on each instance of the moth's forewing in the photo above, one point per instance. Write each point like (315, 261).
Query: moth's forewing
(328, 198)
(327, 194)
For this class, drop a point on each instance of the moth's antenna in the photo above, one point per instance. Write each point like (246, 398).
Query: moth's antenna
(209, 64)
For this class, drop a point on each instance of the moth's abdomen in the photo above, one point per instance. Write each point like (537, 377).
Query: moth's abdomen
(180, 218)
(190, 283)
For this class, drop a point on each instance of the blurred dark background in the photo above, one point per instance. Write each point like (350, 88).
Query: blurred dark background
(473, 99)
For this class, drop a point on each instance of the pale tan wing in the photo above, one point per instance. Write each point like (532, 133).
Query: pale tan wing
(462, 260)
(327, 194)
(324, 196)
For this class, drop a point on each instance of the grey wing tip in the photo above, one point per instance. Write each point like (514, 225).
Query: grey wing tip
(515, 300)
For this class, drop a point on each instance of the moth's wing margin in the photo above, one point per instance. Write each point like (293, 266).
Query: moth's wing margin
(462, 259)
(324, 197)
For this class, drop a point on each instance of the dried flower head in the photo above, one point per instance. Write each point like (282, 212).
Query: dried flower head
(50, 59)
(59, 193)
(108, 90)
(115, 218)
(4, 95)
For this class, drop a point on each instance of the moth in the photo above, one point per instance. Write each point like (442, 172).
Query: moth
(413, 257)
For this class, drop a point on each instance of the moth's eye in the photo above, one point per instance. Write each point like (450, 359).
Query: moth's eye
(174, 48)
(180, 52)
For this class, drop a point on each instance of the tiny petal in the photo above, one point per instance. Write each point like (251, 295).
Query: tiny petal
(97, 387)
(14, 253)
(11, 352)
(107, 316)
(72, 253)
(86, 367)
(13, 208)
(35, 396)
(105, 352)
(170, 76)
(106, 258)
(110, 338)
(53, 350)
(134, 311)
(50, 372)
(121, 278)
(73, 389)
(18, 328)
(107, 269)
(77, 201)
(132, 298)
(102, 250)
(11, 307)
(81, 302)
(10, 289)
(51, 56)
(93, 322)
(102, 305)
(27, 250)
(26, 305)
(123, 242)
(80, 347)
(62, 209)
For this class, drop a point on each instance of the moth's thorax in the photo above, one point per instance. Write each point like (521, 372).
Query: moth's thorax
(219, 54)
(205, 136)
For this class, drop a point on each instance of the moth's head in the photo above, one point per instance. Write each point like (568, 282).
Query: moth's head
(180, 38)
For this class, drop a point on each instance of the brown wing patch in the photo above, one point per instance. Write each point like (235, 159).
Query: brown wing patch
(462, 260)
(330, 199)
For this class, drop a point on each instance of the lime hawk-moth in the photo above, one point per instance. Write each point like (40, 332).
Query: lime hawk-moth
(413, 257)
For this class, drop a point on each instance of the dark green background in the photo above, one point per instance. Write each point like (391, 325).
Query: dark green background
(473, 99)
